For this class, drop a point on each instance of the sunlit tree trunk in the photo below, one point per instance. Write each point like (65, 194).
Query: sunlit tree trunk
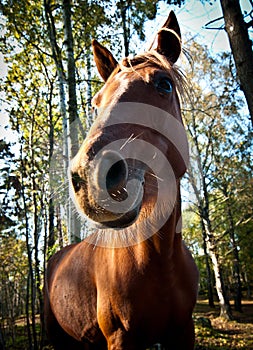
(204, 213)
(89, 119)
(236, 261)
(74, 222)
(208, 268)
(51, 214)
(61, 81)
(30, 292)
(225, 309)
(70, 131)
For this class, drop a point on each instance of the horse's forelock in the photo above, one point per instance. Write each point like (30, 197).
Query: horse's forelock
(154, 59)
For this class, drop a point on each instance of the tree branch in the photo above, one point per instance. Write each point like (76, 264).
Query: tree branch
(213, 21)
(249, 24)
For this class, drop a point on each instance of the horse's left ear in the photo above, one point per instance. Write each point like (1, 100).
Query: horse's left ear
(104, 60)
(169, 39)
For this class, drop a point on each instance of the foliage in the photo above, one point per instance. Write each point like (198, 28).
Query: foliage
(33, 187)
(9, 210)
(220, 169)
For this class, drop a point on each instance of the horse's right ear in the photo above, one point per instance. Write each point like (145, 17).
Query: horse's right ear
(169, 39)
(104, 60)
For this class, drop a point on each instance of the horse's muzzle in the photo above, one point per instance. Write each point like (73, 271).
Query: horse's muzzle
(109, 190)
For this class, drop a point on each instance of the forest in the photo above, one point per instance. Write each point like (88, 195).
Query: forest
(47, 86)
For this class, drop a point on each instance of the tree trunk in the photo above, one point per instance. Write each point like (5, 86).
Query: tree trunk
(241, 47)
(208, 268)
(248, 285)
(71, 78)
(61, 80)
(236, 261)
(74, 222)
(32, 337)
(51, 215)
(59, 226)
(225, 309)
(203, 205)
(2, 341)
(70, 134)
(89, 119)
(126, 31)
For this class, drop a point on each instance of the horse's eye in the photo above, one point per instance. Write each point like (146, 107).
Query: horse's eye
(164, 85)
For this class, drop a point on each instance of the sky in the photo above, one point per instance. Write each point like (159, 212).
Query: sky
(192, 17)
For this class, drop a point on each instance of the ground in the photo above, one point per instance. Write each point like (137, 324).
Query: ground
(223, 335)
(212, 332)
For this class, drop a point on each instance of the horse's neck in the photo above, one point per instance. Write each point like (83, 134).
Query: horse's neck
(169, 235)
(165, 243)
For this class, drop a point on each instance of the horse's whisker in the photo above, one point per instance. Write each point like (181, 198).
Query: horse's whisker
(156, 176)
(127, 141)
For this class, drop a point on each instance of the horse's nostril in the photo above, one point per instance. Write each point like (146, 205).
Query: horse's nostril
(116, 175)
(111, 174)
(76, 181)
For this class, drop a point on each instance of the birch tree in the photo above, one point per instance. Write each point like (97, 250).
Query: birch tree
(213, 124)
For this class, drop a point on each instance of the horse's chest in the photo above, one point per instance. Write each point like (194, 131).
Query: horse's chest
(142, 302)
(111, 299)
(73, 296)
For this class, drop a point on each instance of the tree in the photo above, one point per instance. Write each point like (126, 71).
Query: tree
(74, 222)
(44, 92)
(213, 123)
(241, 47)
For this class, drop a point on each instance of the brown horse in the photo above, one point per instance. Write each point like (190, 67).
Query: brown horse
(133, 283)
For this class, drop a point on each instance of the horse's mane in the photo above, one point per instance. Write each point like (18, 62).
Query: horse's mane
(153, 59)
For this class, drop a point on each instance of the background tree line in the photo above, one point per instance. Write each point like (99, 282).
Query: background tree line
(47, 97)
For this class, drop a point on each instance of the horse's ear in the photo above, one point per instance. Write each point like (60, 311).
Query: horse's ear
(104, 60)
(169, 38)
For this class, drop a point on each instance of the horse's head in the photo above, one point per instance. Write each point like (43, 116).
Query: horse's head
(130, 162)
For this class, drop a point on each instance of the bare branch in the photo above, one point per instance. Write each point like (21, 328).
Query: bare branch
(213, 21)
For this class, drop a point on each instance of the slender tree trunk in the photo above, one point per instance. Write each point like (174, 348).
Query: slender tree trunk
(126, 31)
(2, 341)
(208, 268)
(37, 290)
(75, 225)
(70, 134)
(225, 309)
(236, 261)
(71, 79)
(27, 312)
(203, 205)
(248, 284)
(241, 47)
(51, 214)
(56, 54)
(89, 119)
(59, 226)
(32, 336)
(44, 251)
